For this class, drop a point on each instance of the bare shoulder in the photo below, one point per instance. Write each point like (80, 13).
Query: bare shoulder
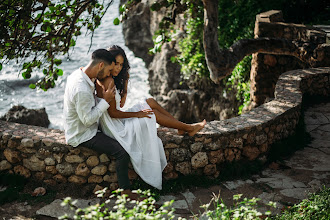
(107, 81)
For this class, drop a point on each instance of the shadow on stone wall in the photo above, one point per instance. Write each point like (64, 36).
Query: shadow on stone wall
(42, 154)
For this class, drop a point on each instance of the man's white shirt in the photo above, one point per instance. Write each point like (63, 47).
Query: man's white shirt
(81, 113)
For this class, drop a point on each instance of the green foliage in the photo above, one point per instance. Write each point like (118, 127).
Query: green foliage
(37, 32)
(239, 82)
(124, 208)
(317, 206)
(192, 56)
(124, 9)
(236, 21)
(241, 209)
(161, 36)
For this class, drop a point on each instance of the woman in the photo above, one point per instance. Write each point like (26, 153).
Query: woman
(135, 129)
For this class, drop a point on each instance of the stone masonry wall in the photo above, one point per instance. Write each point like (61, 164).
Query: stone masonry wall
(41, 153)
(266, 68)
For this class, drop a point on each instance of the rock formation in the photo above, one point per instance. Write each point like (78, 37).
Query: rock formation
(22, 115)
(184, 98)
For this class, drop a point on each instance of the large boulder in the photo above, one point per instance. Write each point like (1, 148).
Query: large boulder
(22, 115)
(189, 100)
(136, 29)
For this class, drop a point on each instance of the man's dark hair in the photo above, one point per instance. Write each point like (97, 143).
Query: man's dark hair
(104, 55)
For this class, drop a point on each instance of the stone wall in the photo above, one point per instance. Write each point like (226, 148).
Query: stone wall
(266, 68)
(41, 153)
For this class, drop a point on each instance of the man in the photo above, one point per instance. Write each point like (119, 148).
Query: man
(82, 112)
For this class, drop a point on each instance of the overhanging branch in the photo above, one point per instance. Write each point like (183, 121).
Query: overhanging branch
(222, 62)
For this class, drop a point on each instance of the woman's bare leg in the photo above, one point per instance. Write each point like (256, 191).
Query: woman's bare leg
(171, 122)
(154, 105)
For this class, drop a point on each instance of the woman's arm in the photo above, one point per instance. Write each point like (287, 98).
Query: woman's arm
(124, 96)
(115, 113)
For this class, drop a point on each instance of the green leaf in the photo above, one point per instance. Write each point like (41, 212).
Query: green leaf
(72, 43)
(32, 86)
(57, 62)
(173, 59)
(26, 65)
(155, 6)
(116, 21)
(122, 8)
(49, 29)
(26, 75)
(59, 72)
(0, 66)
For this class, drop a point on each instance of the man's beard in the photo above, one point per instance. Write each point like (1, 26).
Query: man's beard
(100, 75)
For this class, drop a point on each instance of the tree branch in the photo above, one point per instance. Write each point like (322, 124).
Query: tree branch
(222, 62)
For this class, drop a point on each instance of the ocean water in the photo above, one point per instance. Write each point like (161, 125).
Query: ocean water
(14, 89)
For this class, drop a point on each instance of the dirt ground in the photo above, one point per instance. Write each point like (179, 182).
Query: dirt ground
(26, 206)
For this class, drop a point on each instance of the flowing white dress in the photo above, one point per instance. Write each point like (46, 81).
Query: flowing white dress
(138, 136)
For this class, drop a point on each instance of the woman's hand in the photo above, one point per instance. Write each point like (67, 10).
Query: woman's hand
(145, 113)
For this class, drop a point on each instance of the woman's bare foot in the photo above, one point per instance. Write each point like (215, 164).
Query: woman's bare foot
(197, 127)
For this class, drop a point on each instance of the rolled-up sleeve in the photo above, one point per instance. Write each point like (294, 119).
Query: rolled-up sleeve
(87, 111)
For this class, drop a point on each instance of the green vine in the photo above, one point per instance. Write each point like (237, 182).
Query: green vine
(239, 81)
(192, 56)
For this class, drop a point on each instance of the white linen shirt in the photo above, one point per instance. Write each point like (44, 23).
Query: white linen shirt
(81, 113)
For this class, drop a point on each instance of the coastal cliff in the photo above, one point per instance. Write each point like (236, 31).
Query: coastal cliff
(189, 100)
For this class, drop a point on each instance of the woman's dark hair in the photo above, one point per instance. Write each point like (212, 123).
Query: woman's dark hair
(123, 75)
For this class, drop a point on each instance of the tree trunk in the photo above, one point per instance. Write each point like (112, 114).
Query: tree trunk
(222, 62)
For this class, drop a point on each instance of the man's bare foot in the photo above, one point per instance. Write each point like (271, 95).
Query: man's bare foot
(197, 127)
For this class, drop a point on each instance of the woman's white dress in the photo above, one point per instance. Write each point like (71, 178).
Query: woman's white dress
(138, 136)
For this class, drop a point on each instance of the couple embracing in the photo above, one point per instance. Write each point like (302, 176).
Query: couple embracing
(94, 96)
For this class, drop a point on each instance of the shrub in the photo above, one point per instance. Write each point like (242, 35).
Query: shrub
(317, 206)
(242, 209)
(124, 208)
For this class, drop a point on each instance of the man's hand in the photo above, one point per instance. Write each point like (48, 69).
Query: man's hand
(109, 93)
